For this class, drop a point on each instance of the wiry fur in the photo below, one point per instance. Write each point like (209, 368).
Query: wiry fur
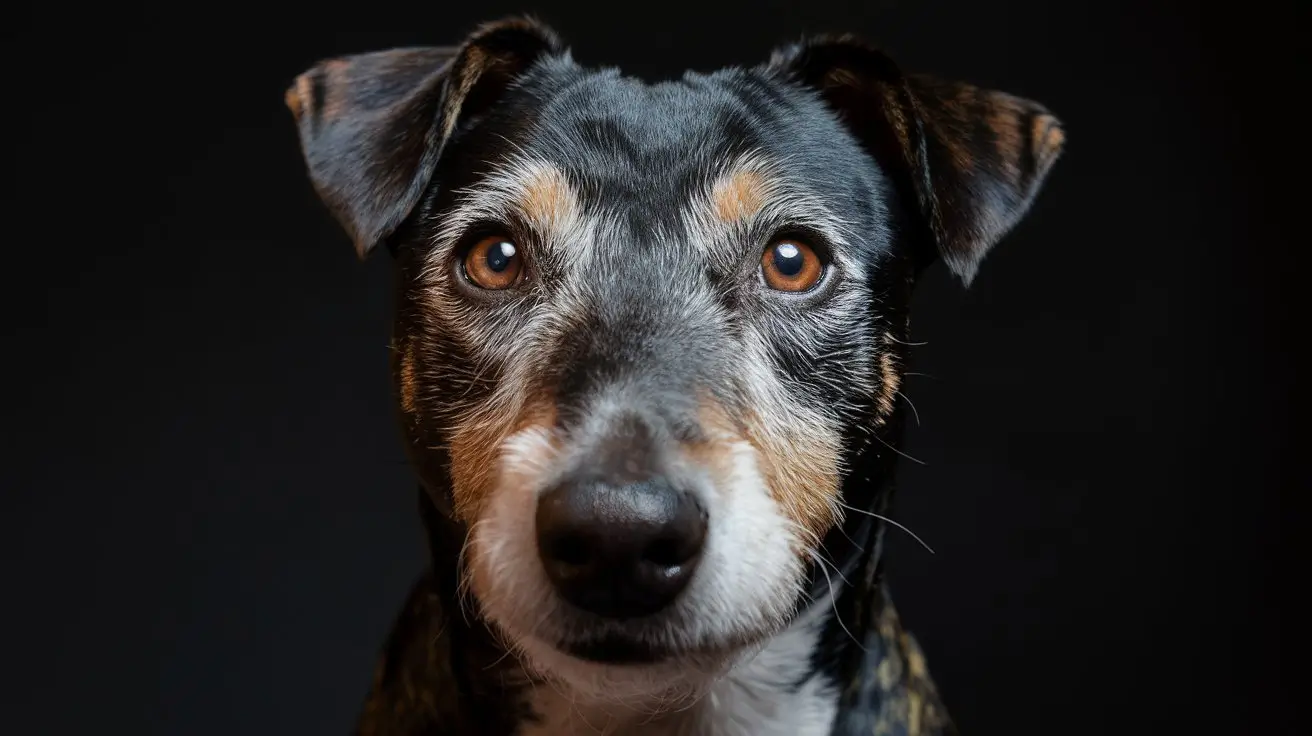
(640, 214)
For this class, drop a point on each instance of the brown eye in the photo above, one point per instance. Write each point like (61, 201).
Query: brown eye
(791, 265)
(494, 263)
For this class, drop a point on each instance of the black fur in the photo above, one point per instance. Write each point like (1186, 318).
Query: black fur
(915, 168)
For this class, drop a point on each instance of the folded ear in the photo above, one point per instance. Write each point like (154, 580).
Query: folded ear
(372, 126)
(971, 159)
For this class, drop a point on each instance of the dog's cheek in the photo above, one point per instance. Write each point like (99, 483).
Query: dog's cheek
(456, 392)
(418, 410)
(798, 461)
(473, 465)
(478, 442)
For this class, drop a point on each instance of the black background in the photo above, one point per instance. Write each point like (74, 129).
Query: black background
(209, 523)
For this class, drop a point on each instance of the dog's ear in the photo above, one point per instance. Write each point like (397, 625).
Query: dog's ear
(372, 126)
(973, 159)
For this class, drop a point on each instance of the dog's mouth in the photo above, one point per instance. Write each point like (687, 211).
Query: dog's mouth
(647, 643)
(616, 649)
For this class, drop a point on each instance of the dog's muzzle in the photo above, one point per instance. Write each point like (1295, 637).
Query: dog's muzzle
(620, 536)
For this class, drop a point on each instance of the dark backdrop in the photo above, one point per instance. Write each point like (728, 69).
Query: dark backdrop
(207, 520)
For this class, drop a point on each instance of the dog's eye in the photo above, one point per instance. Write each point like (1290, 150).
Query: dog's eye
(791, 265)
(494, 263)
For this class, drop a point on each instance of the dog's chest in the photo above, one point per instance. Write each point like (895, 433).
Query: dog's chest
(759, 698)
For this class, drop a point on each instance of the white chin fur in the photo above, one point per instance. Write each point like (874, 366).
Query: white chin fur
(745, 587)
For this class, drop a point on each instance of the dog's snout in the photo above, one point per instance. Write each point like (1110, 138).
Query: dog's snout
(620, 550)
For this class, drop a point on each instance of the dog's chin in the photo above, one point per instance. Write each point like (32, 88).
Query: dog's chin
(624, 670)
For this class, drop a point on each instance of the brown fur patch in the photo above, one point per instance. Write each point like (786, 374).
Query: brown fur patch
(890, 380)
(739, 195)
(547, 199)
(1048, 137)
(408, 381)
(801, 470)
(294, 96)
(476, 448)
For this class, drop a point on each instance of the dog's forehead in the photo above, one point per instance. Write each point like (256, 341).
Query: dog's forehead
(651, 145)
(650, 124)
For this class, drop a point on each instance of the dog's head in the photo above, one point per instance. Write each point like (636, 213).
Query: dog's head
(646, 333)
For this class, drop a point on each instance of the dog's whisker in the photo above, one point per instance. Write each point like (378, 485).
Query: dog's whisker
(899, 452)
(847, 536)
(833, 602)
(887, 520)
(821, 551)
(911, 404)
(891, 338)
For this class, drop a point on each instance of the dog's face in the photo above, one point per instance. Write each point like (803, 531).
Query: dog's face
(645, 330)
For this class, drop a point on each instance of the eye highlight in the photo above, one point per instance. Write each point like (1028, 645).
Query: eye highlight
(494, 263)
(791, 265)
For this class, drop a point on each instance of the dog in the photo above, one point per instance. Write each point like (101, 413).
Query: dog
(647, 345)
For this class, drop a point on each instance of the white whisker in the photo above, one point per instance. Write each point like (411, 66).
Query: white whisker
(894, 449)
(903, 342)
(833, 600)
(890, 521)
(911, 404)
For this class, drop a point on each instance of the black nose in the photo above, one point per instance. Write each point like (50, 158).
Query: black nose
(620, 551)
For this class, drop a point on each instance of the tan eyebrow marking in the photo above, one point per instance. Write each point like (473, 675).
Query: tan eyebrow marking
(545, 197)
(739, 194)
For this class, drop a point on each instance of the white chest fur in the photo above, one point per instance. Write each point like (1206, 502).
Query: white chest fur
(757, 698)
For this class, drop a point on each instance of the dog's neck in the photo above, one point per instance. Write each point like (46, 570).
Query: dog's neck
(844, 666)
